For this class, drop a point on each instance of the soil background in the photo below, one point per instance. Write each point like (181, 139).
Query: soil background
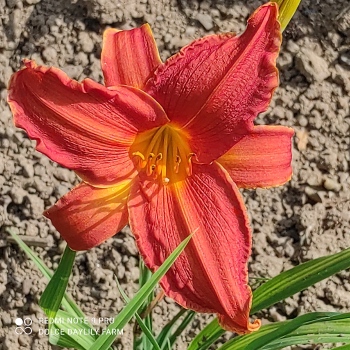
(307, 218)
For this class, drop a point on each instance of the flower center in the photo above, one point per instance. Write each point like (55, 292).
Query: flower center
(163, 153)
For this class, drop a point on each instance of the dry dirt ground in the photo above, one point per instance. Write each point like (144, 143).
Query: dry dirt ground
(307, 218)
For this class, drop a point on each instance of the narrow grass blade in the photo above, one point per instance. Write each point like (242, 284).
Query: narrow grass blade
(299, 278)
(259, 343)
(148, 333)
(309, 339)
(105, 340)
(51, 299)
(72, 309)
(165, 333)
(142, 339)
(63, 340)
(67, 302)
(36, 260)
(63, 332)
(334, 330)
(185, 322)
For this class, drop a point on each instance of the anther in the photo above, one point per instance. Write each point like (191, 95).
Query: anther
(140, 160)
(139, 154)
(158, 167)
(177, 164)
(189, 162)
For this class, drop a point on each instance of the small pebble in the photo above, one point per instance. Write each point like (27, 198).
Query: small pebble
(87, 45)
(28, 170)
(312, 66)
(27, 284)
(313, 194)
(6, 319)
(292, 47)
(331, 185)
(120, 272)
(302, 120)
(50, 54)
(205, 20)
(17, 194)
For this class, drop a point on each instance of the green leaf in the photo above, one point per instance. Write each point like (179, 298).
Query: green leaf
(142, 325)
(299, 278)
(142, 341)
(148, 333)
(51, 299)
(105, 340)
(309, 339)
(287, 9)
(37, 261)
(65, 331)
(302, 329)
(333, 330)
(260, 342)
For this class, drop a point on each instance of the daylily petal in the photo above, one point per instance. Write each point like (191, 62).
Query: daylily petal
(217, 85)
(211, 274)
(262, 158)
(129, 57)
(86, 216)
(82, 126)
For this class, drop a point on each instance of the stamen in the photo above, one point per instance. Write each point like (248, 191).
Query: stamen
(155, 139)
(139, 154)
(140, 160)
(177, 164)
(150, 166)
(189, 162)
(158, 164)
(166, 135)
(150, 171)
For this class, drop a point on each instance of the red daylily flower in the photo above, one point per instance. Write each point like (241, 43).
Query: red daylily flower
(165, 146)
